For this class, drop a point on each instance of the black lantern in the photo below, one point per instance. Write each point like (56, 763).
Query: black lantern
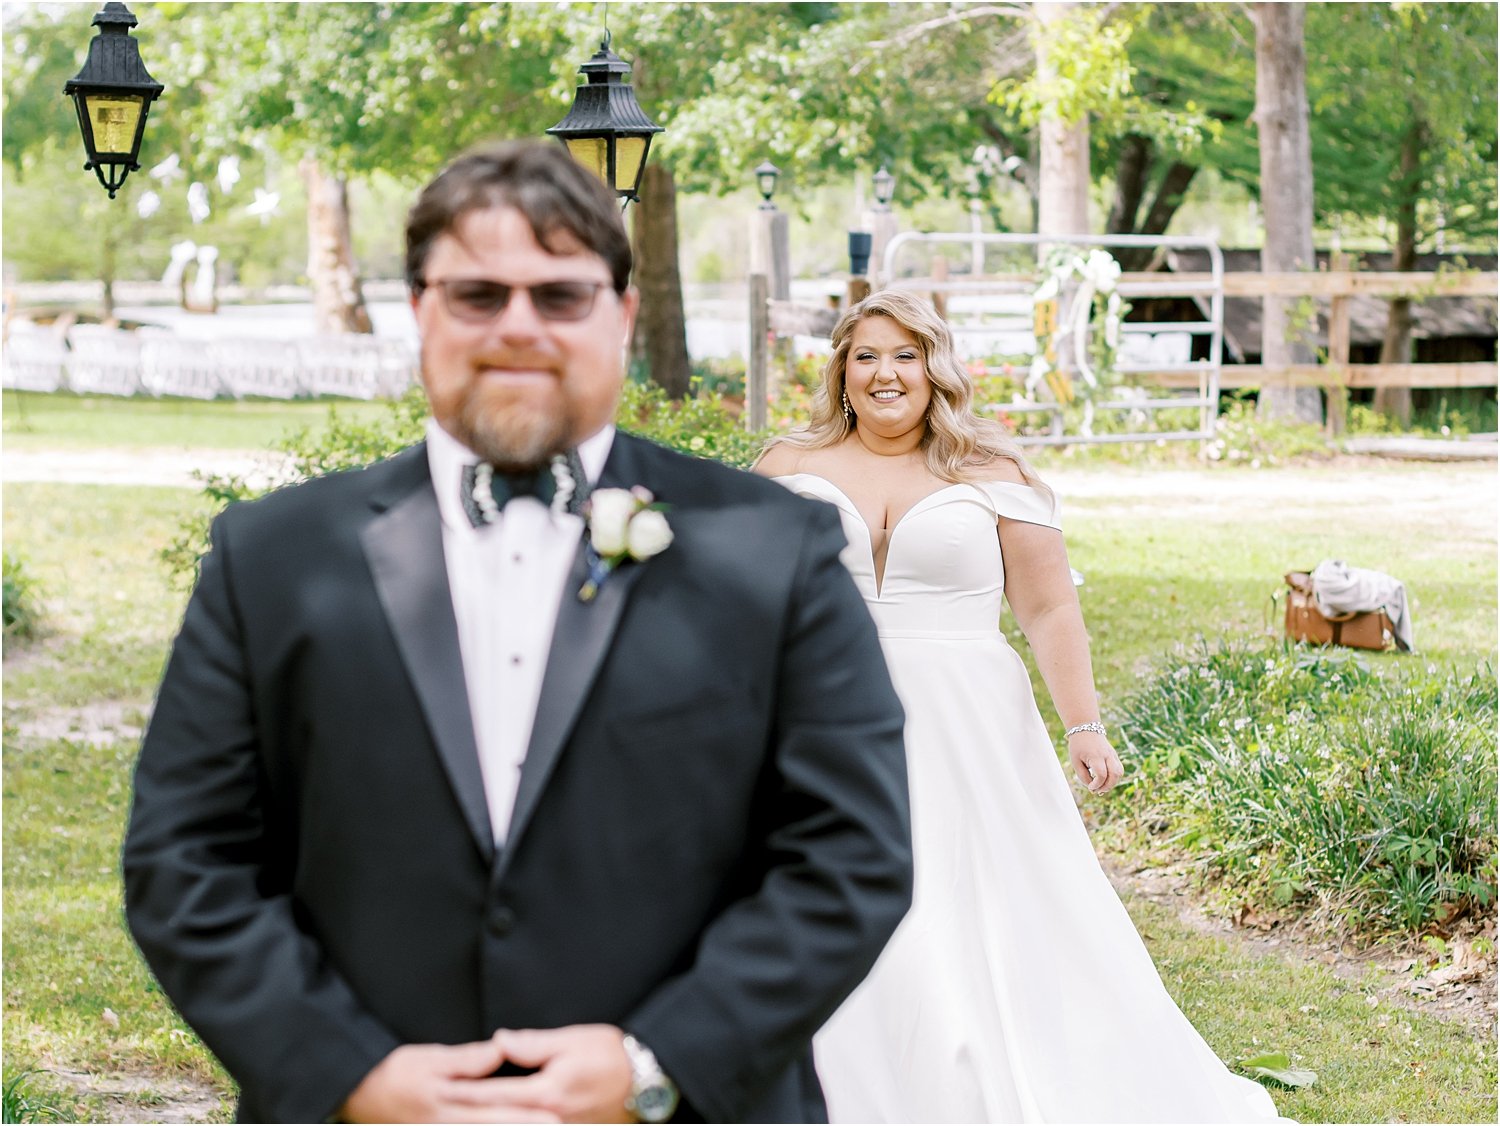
(765, 180)
(885, 188)
(606, 131)
(113, 93)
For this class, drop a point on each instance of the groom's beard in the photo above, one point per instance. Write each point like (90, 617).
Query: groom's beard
(514, 424)
(511, 431)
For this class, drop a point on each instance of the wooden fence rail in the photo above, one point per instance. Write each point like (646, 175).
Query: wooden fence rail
(1323, 283)
(786, 319)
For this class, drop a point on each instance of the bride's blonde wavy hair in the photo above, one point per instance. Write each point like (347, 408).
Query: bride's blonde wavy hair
(957, 441)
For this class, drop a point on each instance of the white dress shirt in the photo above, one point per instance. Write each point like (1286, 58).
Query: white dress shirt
(506, 581)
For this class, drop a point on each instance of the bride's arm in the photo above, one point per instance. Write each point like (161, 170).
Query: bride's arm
(1039, 588)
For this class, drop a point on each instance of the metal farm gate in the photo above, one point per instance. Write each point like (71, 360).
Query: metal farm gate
(1156, 356)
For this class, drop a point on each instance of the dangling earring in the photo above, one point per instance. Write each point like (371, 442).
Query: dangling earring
(848, 410)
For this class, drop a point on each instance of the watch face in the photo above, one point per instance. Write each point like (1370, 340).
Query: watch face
(655, 1103)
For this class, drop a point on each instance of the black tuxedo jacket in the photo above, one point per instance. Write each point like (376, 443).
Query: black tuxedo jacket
(710, 842)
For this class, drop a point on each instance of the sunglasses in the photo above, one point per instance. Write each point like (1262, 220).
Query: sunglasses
(479, 300)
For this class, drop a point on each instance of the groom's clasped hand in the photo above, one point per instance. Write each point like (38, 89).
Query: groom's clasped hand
(580, 1077)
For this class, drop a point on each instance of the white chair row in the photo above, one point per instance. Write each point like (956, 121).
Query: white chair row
(96, 360)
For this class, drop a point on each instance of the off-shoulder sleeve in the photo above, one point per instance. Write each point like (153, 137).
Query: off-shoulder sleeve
(1022, 502)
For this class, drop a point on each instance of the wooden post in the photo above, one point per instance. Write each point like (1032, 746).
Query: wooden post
(1338, 350)
(758, 369)
(770, 257)
(785, 368)
(770, 253)
(940, 296)
(883, 228)
(859, 289)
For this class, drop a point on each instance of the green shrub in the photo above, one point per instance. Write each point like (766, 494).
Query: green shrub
(22, 615)
(1243, 435)
(343, 444)
(704, 425)
(719, 376)
(1301, 777)
(1450, 413)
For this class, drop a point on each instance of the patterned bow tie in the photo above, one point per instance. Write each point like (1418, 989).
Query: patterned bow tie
(560, 484)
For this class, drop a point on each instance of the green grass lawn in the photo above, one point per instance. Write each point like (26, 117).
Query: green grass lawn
(110, 610)
(1156, 576)
(35, 421)
(1374, 1062)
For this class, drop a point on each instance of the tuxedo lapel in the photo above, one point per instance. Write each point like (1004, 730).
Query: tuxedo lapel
(580, 640)
(404, 546)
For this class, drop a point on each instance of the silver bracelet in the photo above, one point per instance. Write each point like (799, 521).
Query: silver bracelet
(1095, 726)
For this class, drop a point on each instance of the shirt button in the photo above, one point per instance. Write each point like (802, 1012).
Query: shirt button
(515, 658)
(502, 921)
(516, 558)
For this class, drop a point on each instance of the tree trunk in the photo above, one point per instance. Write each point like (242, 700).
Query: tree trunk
(1286, 194)
(338, 300)
(107, 247)
(1136, 154)
(1063, 204)
(1395, 348)
(1169, 196)
(661, 328)
(1132, 174)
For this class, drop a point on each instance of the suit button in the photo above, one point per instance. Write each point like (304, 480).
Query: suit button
(502, 921)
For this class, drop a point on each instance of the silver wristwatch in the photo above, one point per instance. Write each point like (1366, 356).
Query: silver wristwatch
(653, 1097)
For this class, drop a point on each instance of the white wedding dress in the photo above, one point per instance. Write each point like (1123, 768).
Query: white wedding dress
(1017, 989)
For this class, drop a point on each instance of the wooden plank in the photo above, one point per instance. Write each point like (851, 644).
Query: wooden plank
(1423, 375)
(1330, 284)
(790, 319)
(1319, 375)
(1323, 283)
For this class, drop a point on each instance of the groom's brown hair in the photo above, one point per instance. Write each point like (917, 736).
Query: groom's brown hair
(562, 201)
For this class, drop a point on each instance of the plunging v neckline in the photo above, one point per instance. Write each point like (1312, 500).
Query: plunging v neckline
(890, 533)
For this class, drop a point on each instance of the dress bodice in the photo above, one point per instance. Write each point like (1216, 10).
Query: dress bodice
(944, 572)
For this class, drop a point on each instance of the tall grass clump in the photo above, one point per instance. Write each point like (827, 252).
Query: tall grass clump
(23, 616)
(18, 1103)
(1301, 778)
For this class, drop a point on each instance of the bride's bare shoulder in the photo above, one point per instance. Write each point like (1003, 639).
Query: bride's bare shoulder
(781, 459)
(999, 469)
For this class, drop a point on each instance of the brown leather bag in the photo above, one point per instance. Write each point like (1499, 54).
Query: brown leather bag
(1370, 629)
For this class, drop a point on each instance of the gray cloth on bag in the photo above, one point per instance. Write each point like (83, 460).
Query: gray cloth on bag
(1341, 589)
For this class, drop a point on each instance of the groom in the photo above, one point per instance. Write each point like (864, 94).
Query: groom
(449, 811)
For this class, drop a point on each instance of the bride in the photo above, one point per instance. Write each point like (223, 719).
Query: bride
(1017, 989)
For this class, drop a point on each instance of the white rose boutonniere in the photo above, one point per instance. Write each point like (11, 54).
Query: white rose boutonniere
(649, 534)
(623, 524)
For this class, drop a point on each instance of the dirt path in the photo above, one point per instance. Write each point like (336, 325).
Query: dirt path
(1459, 486)
(146, 1097)
(1460, 987)
(1464, 495)
(177, 468)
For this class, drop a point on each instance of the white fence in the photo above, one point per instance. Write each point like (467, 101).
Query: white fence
(95, 360)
